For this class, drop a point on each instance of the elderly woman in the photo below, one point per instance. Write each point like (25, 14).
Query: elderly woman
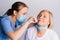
(42, 29)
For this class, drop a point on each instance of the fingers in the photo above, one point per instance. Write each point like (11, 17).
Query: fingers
(32, 20)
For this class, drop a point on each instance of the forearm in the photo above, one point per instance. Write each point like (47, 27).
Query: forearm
(21, 30)
(15, 35)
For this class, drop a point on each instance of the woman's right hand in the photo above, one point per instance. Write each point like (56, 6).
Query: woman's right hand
(30, 20)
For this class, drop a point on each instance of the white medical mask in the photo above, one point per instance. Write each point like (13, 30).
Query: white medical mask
(22, 18)
(41, 27)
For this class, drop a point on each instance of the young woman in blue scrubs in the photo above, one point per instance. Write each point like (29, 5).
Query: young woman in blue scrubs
(13, 22)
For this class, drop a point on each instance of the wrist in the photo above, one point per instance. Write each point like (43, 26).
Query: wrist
(26, 24)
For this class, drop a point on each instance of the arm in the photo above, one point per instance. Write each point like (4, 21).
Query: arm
(26, 35)
(15, 35)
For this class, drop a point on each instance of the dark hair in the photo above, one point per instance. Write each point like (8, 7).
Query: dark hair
(15, 7)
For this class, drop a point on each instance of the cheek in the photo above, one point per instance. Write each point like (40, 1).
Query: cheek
(17, 15)
(43, 22)
(46, 22)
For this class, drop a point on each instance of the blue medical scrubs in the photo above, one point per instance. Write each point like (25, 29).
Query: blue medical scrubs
(7, 26)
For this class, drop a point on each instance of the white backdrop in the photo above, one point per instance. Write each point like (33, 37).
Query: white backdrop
(34, 7)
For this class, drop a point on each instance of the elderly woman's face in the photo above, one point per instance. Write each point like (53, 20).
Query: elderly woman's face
(43, 19)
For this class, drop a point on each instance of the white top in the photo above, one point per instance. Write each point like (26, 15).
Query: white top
(49, 35)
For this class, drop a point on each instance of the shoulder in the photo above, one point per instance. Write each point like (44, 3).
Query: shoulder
(52, 33)
(5, 18)
(31, 29)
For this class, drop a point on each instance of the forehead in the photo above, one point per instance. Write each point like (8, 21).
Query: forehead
(24, 9)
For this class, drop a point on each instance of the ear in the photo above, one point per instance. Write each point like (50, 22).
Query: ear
(15, 13)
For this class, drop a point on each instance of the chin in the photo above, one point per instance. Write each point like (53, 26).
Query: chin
(41, 24)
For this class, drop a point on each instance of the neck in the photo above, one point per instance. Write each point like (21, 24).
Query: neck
(40, 33)
(13, 19)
